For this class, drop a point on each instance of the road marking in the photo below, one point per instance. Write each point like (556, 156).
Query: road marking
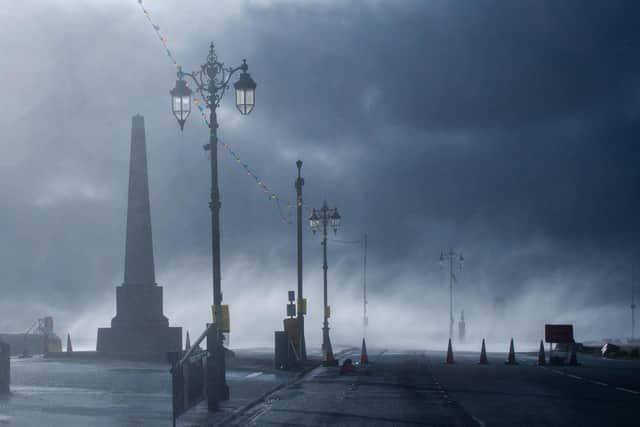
(627, 390)
(599, 383)
(478, 420)
(555, 371)
(254, 374)
(574, 376)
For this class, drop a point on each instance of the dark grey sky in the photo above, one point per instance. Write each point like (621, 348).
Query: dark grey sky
(508, 130)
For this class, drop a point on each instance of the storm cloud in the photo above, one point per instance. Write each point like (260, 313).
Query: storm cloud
(507, 130)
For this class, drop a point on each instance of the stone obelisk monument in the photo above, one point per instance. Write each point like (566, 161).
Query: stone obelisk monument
(139, 328)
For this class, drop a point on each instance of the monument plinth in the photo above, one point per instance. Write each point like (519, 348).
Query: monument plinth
(139, 328)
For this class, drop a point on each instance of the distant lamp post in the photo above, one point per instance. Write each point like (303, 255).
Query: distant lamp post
(319, 220)
(211, 82)
(452, 257)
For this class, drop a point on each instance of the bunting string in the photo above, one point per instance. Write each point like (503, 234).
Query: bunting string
(203, 113)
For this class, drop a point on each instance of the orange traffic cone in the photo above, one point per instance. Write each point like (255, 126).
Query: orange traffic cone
(573, 358)
(542, 359)
(329, 360)
(364, 357)
(69, 347)
(483, 354)
(511, 358)
(187, 343)
(450, 353)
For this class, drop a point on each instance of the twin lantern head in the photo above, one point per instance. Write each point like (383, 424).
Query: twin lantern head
(315, 220)
(181, 96)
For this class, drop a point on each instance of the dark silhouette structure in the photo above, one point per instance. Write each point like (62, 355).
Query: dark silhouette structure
(139, 328)
(5, 370)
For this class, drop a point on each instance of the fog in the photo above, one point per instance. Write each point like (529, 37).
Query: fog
(507, 131)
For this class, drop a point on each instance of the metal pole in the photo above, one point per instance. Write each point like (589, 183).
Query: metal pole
(299, 184)
(365, 321)
(451, 255)
(633, 307)
(325, 328)
(222, 390)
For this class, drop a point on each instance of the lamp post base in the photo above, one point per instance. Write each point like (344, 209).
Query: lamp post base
(217, 388)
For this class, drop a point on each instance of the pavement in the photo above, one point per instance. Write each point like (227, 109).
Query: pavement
(112, 393)
(404, 388)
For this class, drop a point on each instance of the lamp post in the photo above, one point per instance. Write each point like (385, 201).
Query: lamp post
(319, 219)
(299, 183)
(451, 256)
(211, 83)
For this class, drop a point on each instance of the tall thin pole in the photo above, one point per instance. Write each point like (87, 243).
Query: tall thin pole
(451, 294)
(219, 357)
(215, 205)
(299, 184)
(365, 320)
(633, 306)
(325, 267)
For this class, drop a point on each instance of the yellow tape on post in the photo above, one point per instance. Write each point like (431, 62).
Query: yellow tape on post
(302, 306)
(223, 320)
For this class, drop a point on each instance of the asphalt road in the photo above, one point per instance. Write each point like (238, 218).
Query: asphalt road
(399, 390)
(418, 388)
(596, 393)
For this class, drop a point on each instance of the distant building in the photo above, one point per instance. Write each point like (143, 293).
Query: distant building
(139, 329)
(38, 339)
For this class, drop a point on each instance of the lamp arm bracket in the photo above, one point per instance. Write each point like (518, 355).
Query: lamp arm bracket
(227, 73)
(196, 78)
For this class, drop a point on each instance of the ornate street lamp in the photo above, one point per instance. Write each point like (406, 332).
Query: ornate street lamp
(314, 221)
(335, 221)
(323, 217)
(181, 102)
(211, 82)
(451, 256)
(245, 91)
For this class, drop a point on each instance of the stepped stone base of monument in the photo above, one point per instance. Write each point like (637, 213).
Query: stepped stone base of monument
(139, 330)
(139, 341)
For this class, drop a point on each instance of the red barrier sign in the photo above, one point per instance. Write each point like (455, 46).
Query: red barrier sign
(558, 333)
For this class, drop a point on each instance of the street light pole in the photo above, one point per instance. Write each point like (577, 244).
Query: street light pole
(633, 306)
(211, 83)
(451, 256)
(299, 203)
(325, 267)
(365, 319)
(327, 215)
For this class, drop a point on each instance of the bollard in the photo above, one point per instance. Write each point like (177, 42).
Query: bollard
(5, 371)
